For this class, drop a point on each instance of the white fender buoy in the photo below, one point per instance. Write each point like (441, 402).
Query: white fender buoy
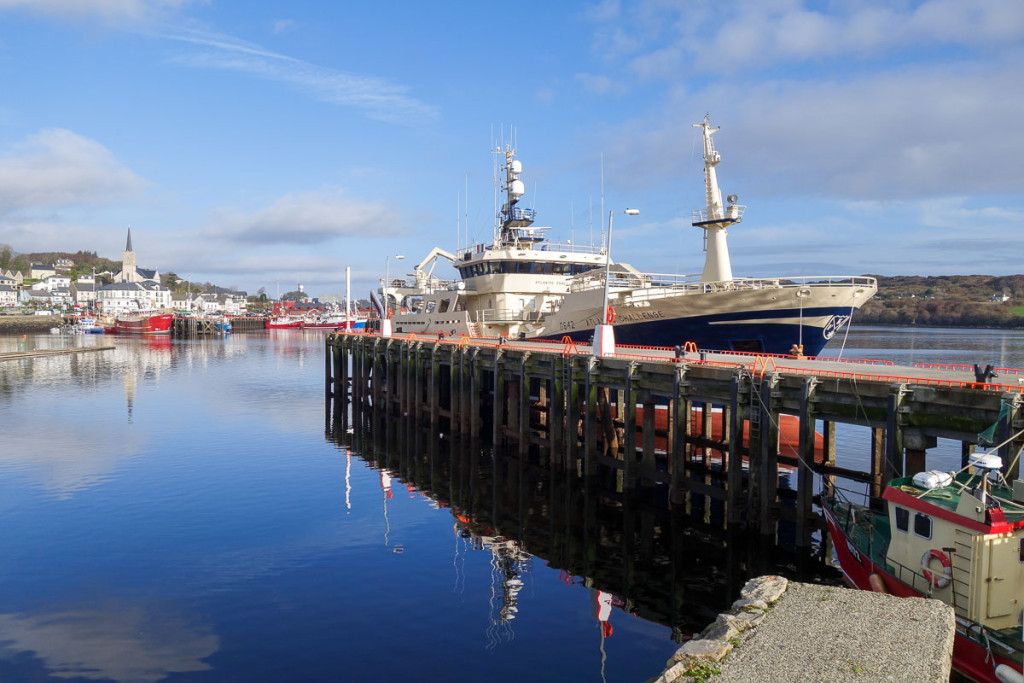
(1007, 675)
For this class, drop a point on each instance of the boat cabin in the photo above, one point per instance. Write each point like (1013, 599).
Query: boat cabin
(955, 539)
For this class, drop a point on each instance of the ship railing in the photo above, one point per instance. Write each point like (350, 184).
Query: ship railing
(506, 315)
(568, 247)
(659, 285)
(731, 213)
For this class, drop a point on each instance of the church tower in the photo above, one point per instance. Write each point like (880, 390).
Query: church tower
(128, 273)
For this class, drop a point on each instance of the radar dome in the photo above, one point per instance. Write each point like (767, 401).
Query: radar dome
(516, 166)
(517, 188)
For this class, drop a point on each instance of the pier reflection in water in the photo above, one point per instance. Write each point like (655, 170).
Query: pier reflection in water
(673, 564)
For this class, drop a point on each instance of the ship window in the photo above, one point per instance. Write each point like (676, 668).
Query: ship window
(922, 525)
(1021, 553)
(445, 303)
(430, 306)
(902, 519)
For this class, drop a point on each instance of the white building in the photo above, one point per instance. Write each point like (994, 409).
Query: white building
(122, 297)
(8, 297)
(54, 282)
(84, 291)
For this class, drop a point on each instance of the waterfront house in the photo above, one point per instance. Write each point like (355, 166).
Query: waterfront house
(84, 291)
(8, 297)
(227, 301)
(121, 297)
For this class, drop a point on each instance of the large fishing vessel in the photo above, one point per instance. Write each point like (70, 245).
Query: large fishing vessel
(522, 285)
(958, 538)
(146, 322)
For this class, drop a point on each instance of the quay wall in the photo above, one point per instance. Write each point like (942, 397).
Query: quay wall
(781, 631)
(29, 324)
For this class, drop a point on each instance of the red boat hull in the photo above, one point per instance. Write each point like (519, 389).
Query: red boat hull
(159, 324)
(969, 657)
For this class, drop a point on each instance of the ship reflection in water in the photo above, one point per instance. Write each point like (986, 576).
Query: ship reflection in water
(676, 565)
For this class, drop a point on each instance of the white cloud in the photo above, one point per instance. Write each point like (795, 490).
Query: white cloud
(57, 167)
(309, 218)
(283, 25)
(663, 40)
(130, 10)
(378, 98)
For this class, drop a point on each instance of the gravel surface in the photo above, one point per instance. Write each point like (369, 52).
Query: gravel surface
(821, 634)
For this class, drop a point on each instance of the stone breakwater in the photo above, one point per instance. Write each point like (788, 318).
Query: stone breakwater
(29, 324)
(783, 631)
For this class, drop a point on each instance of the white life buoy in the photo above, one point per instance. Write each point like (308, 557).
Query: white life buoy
(937, 580)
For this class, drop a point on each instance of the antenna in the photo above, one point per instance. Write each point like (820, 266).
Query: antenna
(602, 202)
(467, 213)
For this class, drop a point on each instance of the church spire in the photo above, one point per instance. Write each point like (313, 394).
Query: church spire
(128, 246)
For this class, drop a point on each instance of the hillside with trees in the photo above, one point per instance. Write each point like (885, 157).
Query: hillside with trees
(946, 301)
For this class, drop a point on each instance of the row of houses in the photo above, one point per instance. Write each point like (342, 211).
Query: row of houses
(132, 289)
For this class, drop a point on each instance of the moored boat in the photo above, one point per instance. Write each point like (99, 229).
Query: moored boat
(282, 322)
(145, 322)
(956, 537)
(87, 326)
(522, 285)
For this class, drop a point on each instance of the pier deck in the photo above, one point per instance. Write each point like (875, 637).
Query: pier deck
(714, 424)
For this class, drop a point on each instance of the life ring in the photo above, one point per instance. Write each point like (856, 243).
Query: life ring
(609, 315)
(937, 580)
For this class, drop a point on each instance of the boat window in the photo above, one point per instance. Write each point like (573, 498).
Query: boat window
(902, 519)
(559, 268)
(445, 303)
(430, 306)
(1021, 553)
(922, 525)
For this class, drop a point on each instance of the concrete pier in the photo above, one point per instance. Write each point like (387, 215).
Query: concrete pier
(783, 632)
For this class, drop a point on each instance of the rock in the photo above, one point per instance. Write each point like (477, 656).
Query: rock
(748, 620)
(674, 672)
(766, 588)
(711, 650)
(749, 605)
(723, 628)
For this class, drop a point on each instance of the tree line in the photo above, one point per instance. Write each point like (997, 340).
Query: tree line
(946, 301)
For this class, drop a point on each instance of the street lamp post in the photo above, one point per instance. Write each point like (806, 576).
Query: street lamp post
(385, 324)
(604, 336)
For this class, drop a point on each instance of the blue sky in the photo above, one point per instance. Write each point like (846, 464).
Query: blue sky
(259, 144)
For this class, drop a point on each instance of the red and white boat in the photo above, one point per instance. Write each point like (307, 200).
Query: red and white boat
(956, 538)
(284, 322)
(143, 322)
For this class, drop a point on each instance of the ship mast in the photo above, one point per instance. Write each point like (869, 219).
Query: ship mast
(715, 218)
(511, 216)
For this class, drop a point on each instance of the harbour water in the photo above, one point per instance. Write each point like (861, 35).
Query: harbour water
(174, 511)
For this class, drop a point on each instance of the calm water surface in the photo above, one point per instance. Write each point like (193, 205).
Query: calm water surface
(173, 511)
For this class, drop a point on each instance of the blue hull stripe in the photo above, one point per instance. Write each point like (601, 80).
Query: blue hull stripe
(725, 331)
